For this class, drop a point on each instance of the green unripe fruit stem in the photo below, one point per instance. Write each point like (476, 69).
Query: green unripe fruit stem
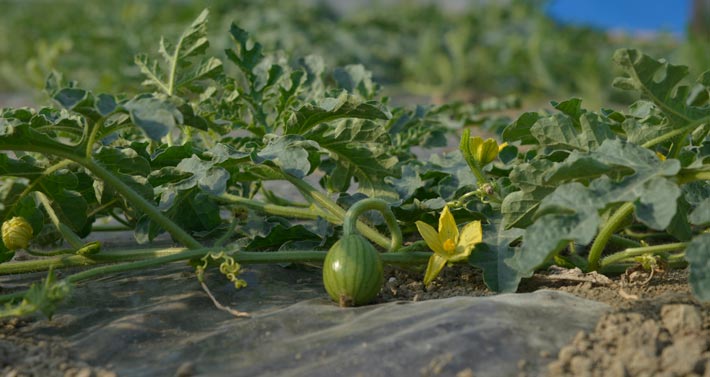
(369, 204)
(334, 209)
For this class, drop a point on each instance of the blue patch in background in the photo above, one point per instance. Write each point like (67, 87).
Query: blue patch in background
(631, 16)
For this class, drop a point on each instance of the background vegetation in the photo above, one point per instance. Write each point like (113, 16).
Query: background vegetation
(493, 49)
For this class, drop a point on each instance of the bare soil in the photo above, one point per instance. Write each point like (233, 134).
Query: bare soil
(656, 327)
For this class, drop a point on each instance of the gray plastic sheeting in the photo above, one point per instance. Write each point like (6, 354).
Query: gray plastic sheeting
(150, 324)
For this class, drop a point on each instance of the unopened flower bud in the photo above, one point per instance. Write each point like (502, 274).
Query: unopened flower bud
(16, 233)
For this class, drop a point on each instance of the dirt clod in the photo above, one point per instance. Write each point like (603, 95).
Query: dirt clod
(668, 340)
(681, 319)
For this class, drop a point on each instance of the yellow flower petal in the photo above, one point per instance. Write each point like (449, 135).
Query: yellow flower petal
(431, 237)
(436, 264)
(475, 144)
(471, 234)
(486, 152)
(447, 227)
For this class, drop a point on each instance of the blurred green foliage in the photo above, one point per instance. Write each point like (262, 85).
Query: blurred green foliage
(494, 48)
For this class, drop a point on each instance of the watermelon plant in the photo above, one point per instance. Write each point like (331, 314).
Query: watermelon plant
(197, 153)
(598, 190)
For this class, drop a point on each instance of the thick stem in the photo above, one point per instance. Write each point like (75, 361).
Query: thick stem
(102, 207)
(370, 204)
(624, 242)
(678, 131)
(644, 236)
(52, 253)
(142, 204)
(92, 137)
(174, 67)
(68, 261)
(273, 209)
(637, 251)
(82, 261)
(174, 255)
(63, 229)
(692, 177)
(141, 264)
(334, 209)
(132, 196)
(676, 261)
(110, 228)
(606, 232)
(58, 166)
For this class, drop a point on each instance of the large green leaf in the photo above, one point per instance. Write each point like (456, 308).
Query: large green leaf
(205, 175)
(334, 108)
(490, 256)
(519, 207)
(571, 212)
(520, 129)
(654, 195)
(282, 233)
(698, 256)
(123, 160)
(191, 209)
(155, 116)
(356, 79)
(20, 136)
(70, 206)
(639, 131)
(291, 153)
(563, 131)
(246, 57)
(568, 214)
(171, 155)
(359, 150)
(181, 63)
(448, 174)
(421, 127)
(661, 82)
(578, 166)
(25, 167)
(642, 179)
(701, 214)
(408, 183)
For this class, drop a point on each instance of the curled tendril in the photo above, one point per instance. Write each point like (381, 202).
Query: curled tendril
(228, 267)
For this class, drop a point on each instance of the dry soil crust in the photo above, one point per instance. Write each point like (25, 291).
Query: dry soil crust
(655, 329)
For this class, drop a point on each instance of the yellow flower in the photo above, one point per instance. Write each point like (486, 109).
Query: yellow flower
(448, 244)
(478, 151)
(661, 156)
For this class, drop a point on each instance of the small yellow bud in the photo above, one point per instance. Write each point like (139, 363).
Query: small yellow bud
(16, 233)
(484, 152)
